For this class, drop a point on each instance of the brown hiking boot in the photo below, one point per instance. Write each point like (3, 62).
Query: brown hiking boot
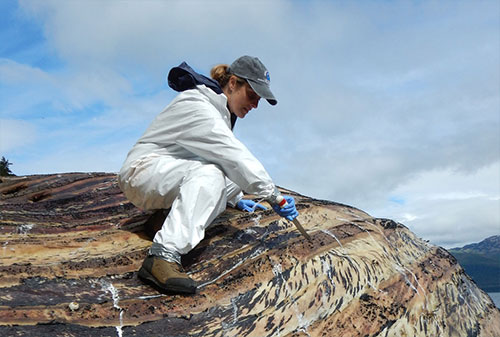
(167, 276)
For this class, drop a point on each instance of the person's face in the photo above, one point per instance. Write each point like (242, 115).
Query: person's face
(241, 99)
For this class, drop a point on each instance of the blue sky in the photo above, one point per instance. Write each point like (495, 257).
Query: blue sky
(389, 106)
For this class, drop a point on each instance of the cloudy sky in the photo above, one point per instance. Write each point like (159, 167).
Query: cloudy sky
(389, 106)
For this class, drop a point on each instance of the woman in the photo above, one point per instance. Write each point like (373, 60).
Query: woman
(188, 160)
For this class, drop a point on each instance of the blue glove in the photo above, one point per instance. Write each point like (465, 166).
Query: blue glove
(249, 205)
(289, 211)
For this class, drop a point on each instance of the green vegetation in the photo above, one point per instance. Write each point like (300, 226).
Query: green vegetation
(481, 261)
(4, 168)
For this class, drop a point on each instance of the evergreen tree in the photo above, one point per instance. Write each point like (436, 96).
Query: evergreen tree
(4, 168)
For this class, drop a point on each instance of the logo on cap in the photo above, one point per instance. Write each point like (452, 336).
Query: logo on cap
(268, 77)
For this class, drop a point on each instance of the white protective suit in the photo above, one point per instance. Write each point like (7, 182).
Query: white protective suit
(190, 161)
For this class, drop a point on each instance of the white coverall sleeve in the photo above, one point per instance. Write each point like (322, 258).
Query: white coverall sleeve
(209, 137)
(234, 193)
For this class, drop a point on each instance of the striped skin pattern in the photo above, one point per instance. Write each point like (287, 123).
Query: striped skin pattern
(72, 245)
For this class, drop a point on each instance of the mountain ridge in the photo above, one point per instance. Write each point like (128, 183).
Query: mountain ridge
(488, 245)
(482, 262)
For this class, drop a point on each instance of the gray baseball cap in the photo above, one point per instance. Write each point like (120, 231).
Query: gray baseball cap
(251, 69)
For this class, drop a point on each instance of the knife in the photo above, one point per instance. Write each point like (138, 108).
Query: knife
(281, 201)
(301, 229)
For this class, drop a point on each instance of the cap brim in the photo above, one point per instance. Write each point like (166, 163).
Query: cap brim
(263, 91)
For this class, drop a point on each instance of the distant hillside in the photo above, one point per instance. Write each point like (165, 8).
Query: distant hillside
(482, 262)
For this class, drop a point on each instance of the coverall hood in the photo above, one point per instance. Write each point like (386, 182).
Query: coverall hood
(183, 77)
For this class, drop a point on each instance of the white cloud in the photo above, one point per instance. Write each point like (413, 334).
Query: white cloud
(149, 35)
(15, 73)
(74, 158)
(73, 106)
(406, 217)
(456, 223)
(15, 134)
(450, 208)
(66, 91)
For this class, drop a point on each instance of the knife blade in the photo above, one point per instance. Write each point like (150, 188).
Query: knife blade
(301, 229)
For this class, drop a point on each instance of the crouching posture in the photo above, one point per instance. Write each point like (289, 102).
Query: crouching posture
(188, 160)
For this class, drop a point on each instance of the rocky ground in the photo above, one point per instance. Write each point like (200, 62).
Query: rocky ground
(71, 245)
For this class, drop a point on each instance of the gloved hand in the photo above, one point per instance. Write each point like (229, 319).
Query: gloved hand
(249, 205)
(289, 211)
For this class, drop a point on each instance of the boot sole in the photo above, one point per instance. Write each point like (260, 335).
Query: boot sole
(146, 276)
